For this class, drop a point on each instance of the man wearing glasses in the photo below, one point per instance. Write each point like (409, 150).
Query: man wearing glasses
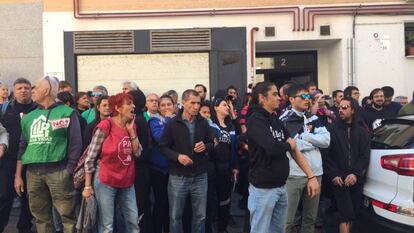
(310, 135)
(50, 148)
(346, 161)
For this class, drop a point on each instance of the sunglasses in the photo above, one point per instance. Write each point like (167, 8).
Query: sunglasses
(304, 96)
(96, 94)
(344, 107)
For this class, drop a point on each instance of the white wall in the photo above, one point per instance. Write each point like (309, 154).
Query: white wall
(332, 67)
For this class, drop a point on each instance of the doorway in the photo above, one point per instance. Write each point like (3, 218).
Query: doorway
(281, 67)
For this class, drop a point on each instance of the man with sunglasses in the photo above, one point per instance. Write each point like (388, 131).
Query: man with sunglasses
(310, 134)
(345, 162)
(97, 92)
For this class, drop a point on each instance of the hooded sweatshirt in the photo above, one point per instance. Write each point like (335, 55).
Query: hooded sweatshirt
(269, 164)
(307, 141)
(348, 152)
(224, 153)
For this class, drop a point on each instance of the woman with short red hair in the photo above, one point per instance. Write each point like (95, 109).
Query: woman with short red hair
(116, 144)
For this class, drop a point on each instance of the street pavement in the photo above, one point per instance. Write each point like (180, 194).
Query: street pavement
(238, 216)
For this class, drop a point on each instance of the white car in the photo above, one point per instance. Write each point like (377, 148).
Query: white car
(389, 186)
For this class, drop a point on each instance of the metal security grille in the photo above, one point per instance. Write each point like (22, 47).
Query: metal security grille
(180, 40)
(103, 42)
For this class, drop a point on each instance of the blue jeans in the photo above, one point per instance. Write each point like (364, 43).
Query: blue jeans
(107, 198)
(179, 188)
(268, 209)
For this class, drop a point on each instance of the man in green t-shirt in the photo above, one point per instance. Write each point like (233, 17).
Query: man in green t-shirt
(50, 148)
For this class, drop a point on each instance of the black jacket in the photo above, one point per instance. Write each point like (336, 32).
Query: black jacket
(176, 140)
(348, 152)
(88, 133)
(11, 121)
(269, 164)
(372, 116)
(144, 136)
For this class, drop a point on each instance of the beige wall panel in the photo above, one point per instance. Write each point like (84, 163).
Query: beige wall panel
(152, 72)
(128, 5)
(21, 52)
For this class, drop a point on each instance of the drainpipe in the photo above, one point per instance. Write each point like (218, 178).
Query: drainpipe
(253, 54)
(354, 79)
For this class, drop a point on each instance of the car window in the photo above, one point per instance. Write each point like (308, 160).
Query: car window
(393, 136)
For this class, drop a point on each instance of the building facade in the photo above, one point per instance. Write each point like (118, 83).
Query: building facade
(166, 45)
(21, 44)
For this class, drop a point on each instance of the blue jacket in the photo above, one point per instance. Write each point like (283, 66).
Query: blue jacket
(158, 160)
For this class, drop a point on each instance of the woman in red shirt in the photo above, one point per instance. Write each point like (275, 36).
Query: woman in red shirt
(116, 144)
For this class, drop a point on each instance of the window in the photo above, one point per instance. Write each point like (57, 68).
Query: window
(394, 134)
(409, 39)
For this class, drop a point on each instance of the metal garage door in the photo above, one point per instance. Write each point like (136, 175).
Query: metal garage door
(152, 72)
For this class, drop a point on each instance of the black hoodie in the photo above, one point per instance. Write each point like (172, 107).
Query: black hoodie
(269, 164)
(348, 152)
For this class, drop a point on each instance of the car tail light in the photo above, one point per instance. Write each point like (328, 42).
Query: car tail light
(389, 207)
(393, 208)
(402, 164)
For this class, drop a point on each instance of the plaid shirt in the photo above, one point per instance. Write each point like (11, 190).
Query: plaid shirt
(94, 150)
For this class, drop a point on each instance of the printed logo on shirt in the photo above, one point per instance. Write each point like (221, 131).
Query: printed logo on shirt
(277, 134)
(39, 131)
(376, 123)
(224, 137)
(60, 123)
(125, 151)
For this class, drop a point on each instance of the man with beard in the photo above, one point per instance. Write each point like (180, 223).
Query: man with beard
(389, 105)
(373, 114)
(336, 97)
(346, 160)
(202, 91)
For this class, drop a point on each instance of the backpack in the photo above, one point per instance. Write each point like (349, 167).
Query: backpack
(79, 172)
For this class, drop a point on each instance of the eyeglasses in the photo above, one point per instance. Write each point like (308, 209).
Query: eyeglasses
(344, 107)
(304, 96)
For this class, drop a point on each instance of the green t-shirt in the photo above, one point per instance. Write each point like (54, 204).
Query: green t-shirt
(46, 132)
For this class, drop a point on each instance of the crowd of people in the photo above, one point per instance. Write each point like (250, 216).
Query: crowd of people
(130, 162)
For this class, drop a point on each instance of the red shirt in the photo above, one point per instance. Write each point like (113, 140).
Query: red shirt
(117, 168)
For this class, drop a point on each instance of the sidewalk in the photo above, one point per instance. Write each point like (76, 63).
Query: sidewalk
(238, 216)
